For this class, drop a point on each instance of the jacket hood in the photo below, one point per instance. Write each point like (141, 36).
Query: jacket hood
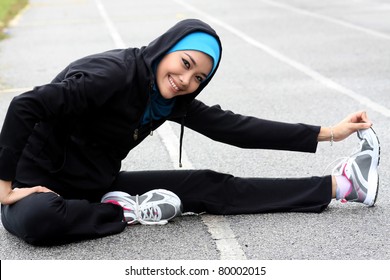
(161, 45)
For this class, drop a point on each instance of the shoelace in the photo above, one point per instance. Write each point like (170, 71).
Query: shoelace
(342, 160)
(148, 213)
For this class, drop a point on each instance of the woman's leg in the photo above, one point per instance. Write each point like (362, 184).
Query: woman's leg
(46, 219)
(218, 193)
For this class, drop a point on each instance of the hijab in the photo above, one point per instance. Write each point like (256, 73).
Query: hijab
(159, 107)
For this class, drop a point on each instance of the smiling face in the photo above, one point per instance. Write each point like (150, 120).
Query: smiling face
(181, 72)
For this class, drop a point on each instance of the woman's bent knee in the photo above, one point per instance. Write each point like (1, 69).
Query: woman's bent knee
(37, 218)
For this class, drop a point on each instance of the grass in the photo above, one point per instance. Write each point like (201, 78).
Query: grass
(8, 9)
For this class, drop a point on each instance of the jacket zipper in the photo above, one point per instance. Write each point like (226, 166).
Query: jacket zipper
(136, 131)
(135, 134)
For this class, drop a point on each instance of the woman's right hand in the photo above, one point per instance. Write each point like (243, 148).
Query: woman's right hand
(10, 196)
(351, 124)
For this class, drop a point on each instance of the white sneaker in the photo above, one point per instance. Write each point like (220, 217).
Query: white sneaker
(361, 169)
(155, 207)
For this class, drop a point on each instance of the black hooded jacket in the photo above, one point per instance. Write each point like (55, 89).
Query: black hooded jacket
(79, 128)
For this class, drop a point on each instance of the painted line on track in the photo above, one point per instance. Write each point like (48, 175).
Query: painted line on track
(328, 19)
(327, 82)
(218, 227)
(15, 90)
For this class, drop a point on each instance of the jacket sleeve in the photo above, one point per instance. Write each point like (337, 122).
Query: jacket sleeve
(80, 89)
(250, 132)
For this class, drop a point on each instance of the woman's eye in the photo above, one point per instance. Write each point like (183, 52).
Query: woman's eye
(186, 63)
(199, 79)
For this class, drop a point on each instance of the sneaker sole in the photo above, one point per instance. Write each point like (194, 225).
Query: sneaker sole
(373, 189)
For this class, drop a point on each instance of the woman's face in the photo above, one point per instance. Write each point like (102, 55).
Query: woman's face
(181, 72)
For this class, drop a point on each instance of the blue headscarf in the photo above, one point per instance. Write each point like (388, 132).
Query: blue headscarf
(200, 41)
(160, 107)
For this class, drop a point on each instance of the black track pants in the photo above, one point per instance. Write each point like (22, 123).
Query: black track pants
(45, 218)
(218, 193)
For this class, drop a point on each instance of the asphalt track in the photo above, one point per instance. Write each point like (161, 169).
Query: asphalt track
(296, 61)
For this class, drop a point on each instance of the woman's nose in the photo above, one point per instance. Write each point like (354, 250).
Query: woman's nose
(185, 79)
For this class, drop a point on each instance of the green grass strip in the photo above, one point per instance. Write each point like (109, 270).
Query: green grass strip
(8, 10)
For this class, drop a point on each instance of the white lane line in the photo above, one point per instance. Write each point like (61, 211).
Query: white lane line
(116, 37)
(224, 237)
(329, 19)
(298, 66)
(15, 90)
(219, 227)
(171, 143)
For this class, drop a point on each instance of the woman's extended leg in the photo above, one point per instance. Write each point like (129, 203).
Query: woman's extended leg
(218, 193)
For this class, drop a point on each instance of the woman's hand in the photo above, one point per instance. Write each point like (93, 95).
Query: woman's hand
(346, 127)
(10, 196)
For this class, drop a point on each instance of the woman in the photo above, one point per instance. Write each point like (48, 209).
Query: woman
(62, 144)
